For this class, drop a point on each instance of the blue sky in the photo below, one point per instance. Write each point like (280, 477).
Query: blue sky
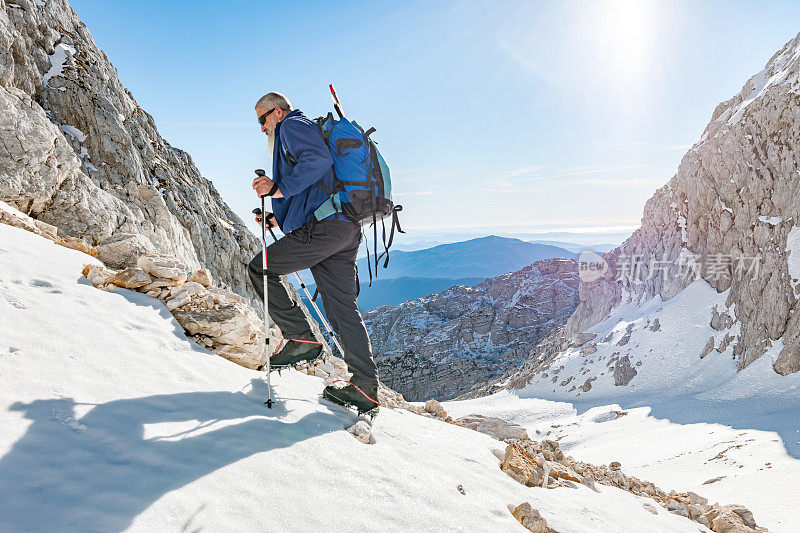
(500, 116)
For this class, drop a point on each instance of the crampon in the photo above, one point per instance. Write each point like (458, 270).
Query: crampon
(353, 396)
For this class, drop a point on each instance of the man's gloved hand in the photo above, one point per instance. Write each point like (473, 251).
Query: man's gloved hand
(271, 222)
(263, 185)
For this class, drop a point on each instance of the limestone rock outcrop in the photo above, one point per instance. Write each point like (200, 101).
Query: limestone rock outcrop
(734, 204)
(440, 345)
(543, 464)
(12, 217)
(731, 217)
(77, 152)
(78, 155)
(218, 319)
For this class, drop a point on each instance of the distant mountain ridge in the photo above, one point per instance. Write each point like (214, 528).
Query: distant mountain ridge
(422, 272)
(482, 257)
(578, 248)
(427, 269)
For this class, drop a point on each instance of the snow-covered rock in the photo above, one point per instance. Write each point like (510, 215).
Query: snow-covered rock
(496, 427)
(741, 450)
(441, 345)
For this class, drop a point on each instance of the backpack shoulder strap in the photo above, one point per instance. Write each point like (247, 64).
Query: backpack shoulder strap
(288, 156)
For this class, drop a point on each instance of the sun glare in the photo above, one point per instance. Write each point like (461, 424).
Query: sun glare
(623, 36)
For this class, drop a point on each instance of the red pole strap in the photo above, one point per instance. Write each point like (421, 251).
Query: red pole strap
(307, 342)
(373, 400)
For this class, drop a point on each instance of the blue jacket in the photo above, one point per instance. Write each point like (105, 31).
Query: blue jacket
(298, 139)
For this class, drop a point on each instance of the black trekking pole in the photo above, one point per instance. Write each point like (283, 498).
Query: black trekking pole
(325, 323)
(266, 300)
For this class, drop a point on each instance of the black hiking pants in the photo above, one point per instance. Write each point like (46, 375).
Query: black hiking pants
(329, 249)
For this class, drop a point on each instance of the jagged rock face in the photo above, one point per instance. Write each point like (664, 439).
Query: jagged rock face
(735, 197)
(77, 151)
(440, 345)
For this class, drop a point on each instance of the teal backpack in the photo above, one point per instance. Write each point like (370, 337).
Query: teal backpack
(363, 187)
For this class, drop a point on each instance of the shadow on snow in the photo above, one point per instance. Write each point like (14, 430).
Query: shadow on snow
(99, 472)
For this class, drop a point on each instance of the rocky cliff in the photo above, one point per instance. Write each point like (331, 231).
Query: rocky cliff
(728, 219)
(440, 345)
(77, 151)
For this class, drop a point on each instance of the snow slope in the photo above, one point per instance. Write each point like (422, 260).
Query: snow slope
(113, 420)
(659, 446)
(754, 466)
(689, 419)
(664, 343)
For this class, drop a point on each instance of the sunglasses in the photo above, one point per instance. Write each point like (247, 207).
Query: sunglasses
(263, 118)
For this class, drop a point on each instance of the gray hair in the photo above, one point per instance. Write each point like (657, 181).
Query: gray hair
(272, 100)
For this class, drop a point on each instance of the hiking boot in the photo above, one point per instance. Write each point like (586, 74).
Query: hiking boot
(364, 399)
(297, 350)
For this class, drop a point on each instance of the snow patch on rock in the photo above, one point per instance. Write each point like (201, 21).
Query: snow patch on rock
(793, 259)
(58, 59)
(73, 132)
(772, 221)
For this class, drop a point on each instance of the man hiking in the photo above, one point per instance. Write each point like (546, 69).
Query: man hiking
(300, 162)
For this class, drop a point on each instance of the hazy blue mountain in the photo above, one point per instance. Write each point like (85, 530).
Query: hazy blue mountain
(419, 273)
(476, 258)
(398, 290)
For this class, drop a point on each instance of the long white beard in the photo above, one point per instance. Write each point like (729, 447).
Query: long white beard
(270, 151)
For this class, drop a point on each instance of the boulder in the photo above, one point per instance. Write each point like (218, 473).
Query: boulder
(551, 450)
(202, 276)
(97, 275)
(122, 250)
(236, 330)
(496, 427)
(158, 284)
(531, 519)
(623, 371)
(192, 288)
(435, 408)
(130, 278)
(733, 519)
(162, 266)
(177, 301)
(678, 508)
(519, 464)
(560, 471)
(361, 431)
